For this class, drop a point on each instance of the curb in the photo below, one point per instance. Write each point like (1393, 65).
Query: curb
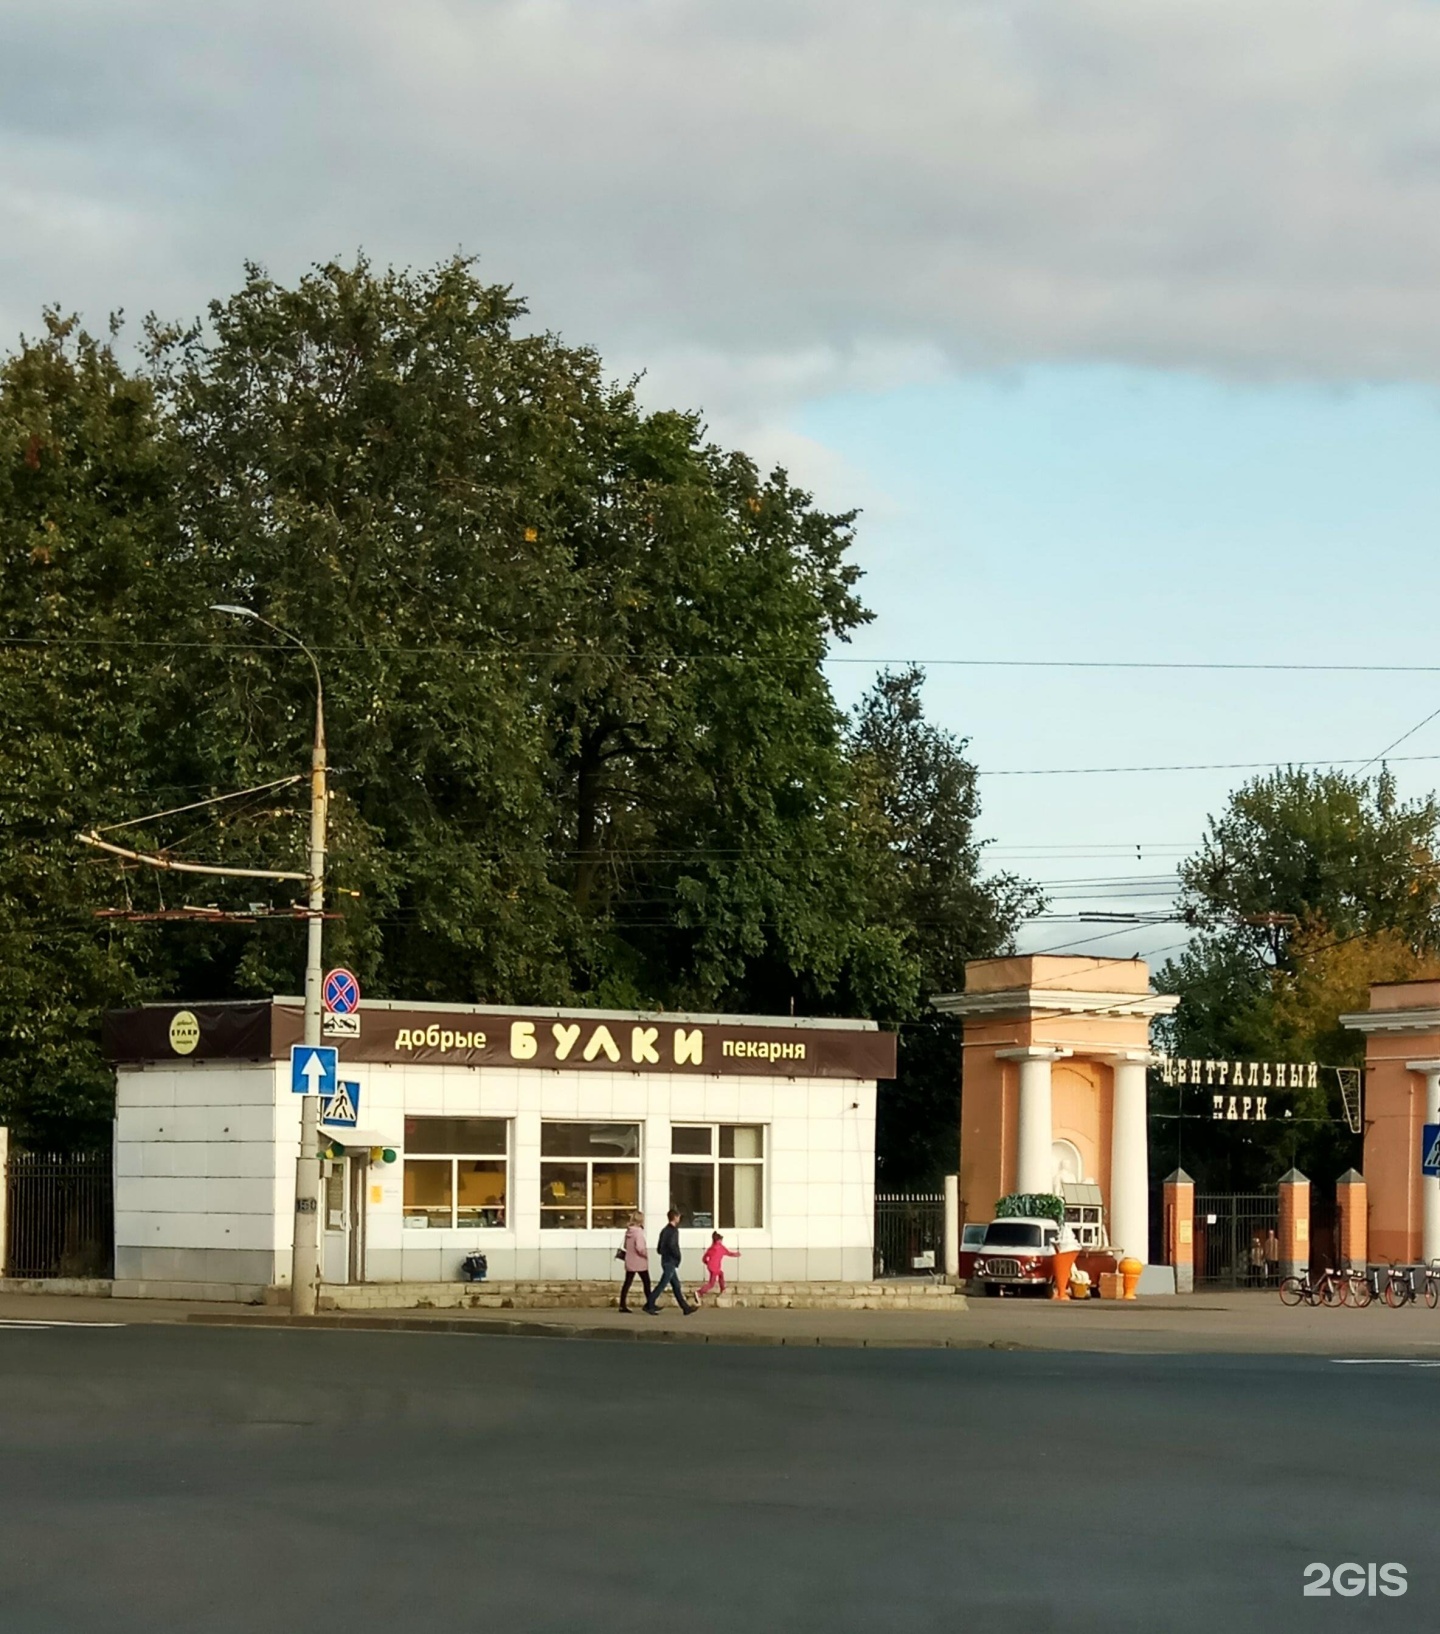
(518, 1328)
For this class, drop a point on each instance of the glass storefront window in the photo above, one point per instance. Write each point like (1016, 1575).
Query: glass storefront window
(599, 1188)
(463, 1180)
(479, 1192)
(590, 1140)
(485, 1137)
(727, 1190)
(429, 1191)
(740, 1195)
(692, 1191)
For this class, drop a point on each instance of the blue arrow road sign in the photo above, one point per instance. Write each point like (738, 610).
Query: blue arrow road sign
(342, 993)
(343, 1107)
(313, 1068)
(1430, 1149)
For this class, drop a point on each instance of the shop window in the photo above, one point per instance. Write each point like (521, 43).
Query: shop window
(463, 1177)
(589, 1175)
(717, 1175)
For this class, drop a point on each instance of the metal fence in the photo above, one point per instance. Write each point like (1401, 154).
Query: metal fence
(59, 1215)
(909, 1233)
(1233, 1238)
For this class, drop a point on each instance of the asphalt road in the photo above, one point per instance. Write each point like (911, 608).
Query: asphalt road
(157, 1479)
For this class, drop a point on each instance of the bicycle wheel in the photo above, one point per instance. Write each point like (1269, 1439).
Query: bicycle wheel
(1361, 1291)
(1432, 1292)
(1332, 1291)
(1292, 1291)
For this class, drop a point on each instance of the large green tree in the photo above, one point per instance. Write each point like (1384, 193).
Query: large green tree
(1309, 885)
(583, 744)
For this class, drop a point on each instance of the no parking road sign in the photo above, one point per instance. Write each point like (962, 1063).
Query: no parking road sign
(313, 1068)
(1430, 1150)
(341, 993)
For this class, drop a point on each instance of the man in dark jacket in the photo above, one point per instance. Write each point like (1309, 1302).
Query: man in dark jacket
(668, 1248)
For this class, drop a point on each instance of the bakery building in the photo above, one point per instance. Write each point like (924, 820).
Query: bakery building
(528, 1135)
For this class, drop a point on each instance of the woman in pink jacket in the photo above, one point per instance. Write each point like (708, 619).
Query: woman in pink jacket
(637, 1260)
(713, 1259)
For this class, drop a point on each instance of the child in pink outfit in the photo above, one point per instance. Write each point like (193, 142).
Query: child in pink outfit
(713, 1259)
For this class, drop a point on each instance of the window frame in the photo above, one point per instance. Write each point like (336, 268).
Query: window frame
(454, 1159)
(590, 1164)
(717, 1163)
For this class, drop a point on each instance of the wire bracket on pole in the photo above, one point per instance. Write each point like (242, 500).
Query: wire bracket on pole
(1351, 1081)
(152, 861)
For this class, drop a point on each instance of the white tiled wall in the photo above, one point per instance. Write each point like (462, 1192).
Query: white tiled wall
(195, 1163)
(205, 1161)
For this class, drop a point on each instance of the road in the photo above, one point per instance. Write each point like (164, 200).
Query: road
(222, 1481)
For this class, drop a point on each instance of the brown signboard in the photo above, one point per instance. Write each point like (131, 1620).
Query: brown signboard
(573, 1041)
(197, 1032)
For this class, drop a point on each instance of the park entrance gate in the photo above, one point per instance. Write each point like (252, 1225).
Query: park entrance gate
(1231, 1233)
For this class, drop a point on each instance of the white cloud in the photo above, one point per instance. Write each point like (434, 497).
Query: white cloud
(763, 201)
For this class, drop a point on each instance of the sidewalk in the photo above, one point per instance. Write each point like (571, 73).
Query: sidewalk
(1233, 1323)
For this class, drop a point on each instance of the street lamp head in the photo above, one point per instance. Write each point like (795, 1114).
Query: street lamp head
(235, 612)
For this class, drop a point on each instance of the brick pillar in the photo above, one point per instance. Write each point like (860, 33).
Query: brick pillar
(1180, 1229)
(1294, 1224)
(1353, 1221)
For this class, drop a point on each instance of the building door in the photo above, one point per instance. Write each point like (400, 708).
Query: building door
(335, 1255)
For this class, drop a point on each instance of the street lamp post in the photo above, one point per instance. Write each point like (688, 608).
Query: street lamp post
(305, 1251)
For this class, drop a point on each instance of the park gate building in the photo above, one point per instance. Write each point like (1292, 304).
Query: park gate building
(1053, 1094)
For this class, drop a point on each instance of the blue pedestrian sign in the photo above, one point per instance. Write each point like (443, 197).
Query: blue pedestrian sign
(341, 993)
(343, 1107)
(313, 1068)
(1430, 1150)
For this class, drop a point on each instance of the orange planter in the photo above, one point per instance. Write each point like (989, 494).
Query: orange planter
(1064, 1264)
(1130, 1270)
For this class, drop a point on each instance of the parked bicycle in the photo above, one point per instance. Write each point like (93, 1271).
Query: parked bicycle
(1326, 1287)
(1406, 1283)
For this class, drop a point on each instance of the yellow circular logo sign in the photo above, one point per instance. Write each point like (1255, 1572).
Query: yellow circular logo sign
(184, 1032)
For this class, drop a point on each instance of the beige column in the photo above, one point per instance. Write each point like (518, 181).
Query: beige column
(1429, 1184)
(1129, 1215)
(952, 1225)
(1034, 1159)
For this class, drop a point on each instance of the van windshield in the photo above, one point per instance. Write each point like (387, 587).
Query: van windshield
(1013, 1234)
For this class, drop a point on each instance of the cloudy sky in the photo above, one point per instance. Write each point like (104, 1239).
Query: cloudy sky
(1118, 317)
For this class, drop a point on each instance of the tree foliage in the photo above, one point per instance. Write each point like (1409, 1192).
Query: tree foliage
(917, 811)
(1307, 888)
(584, 749)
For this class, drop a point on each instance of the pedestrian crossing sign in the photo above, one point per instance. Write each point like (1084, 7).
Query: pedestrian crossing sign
(1430, 1150)
(343, 1107)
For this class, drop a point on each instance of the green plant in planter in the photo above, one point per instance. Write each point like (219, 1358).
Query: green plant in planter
(1035, 1205)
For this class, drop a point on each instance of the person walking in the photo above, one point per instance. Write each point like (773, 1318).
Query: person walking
(668, 1248)
(713, 1259)
(636, 1255)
